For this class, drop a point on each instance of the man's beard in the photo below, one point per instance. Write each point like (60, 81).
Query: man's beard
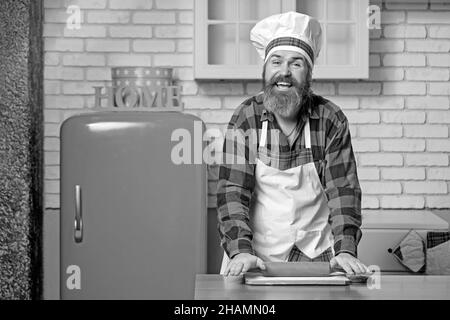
(287, 103)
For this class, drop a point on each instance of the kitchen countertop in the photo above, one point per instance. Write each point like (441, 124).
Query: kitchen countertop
(402, 286)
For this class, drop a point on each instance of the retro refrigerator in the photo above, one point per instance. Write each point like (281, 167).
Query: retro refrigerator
(133, 220)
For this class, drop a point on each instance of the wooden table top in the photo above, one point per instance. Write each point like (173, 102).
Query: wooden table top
(392, 286)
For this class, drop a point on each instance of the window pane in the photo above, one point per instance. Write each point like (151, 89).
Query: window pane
(258, 9)
(222, 10)
(314, 8)
(341, 10)
(222, 44)
(341, 44)
(247, 52)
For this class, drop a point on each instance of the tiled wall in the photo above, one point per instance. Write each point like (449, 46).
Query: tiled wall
(399, 117)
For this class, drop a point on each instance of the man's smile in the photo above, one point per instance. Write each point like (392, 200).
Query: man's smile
(283, 85)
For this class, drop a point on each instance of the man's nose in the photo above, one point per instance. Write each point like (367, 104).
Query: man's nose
(285, 70)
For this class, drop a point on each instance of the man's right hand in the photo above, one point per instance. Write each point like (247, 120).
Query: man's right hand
(242, 262)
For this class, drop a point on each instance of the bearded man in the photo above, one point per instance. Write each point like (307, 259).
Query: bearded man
(301, 199)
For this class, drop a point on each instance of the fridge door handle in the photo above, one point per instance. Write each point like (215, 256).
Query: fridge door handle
(78, 233)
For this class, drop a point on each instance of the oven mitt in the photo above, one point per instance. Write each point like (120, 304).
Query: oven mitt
(438, 253)
(410, 252)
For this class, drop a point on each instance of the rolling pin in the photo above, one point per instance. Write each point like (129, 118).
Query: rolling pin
(297, 269)
(309, 269)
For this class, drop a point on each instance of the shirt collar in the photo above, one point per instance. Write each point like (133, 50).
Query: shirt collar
(312, 111)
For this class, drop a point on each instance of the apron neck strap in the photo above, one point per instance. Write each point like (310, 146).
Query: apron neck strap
(262, 142)
(307, 132)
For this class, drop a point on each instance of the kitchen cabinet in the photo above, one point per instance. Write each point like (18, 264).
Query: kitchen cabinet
(222, 37)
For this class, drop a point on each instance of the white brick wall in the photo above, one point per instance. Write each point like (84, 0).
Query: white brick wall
(408, 4)
(403, 145)
(84, 60)
(439, 31)
(393, 17)
(426, 159)
(425, 187)
(425, 131)
(154, 17)
(428, 17)
(380, 131)
(438, 174)
(153, 46)
(403, 117)
(130, 4)
(438, 145)
(382, 103)
(404, 59)
(427, 102)
(399, 117)
(359, 88)
(405, 31)
(175, 4)
(404, 88)
(381, 187)
(122, 60)
(403, 173)
(105, 17)
(402, 202)
(107, 45)
(181, 31)
(380, 159)
(386, 74)
(430, 74)
(439, 60)
(366, 145)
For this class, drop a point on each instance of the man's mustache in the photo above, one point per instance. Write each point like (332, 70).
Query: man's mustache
(288, 79)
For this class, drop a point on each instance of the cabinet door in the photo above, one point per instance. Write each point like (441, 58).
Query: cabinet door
(222, 37)
(345, 49)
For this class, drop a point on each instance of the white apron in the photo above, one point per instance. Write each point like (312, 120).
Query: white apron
(290, 206)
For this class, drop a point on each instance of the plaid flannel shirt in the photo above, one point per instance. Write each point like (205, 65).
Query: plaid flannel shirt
(333, 158)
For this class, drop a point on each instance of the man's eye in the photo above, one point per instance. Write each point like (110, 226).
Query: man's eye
(276, 62)
(297, 64)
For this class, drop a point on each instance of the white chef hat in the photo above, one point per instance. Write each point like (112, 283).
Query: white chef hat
(288, 31)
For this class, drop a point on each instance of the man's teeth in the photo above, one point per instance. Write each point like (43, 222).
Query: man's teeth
(284, 84)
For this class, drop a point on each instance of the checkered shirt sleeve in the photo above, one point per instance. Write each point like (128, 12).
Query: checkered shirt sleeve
(343, 190)
(235, 187)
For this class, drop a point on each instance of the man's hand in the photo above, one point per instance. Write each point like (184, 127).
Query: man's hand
(242, 262)
(349, 263)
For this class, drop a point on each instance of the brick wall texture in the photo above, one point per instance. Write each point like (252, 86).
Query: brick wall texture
(400, 116)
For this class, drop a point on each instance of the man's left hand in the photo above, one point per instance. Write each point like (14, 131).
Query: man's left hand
(349, 263)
